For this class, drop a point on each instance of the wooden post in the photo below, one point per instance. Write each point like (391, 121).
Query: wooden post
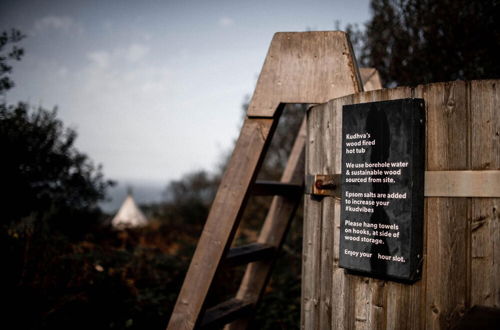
(461, 234)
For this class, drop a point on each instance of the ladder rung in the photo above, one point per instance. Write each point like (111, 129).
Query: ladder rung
(266, 188)
(225, 312)
(248, 253)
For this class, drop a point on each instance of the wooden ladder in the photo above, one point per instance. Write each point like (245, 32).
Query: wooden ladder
(300, 67)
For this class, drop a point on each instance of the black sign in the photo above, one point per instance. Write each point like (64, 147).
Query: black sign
(382, 188)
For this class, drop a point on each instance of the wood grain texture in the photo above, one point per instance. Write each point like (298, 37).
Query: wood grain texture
(327, 226)
(311, 271)
(461, 235)
(447, 240)
(311, 264)
(476, 183)
(485, 212)
(305, 67)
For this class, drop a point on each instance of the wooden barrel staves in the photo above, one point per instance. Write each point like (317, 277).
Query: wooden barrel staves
(460, 243)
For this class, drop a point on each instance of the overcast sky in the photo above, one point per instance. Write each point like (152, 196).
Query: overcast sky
(154, 88)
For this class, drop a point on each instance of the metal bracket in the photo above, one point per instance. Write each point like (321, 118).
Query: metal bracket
(323, 185)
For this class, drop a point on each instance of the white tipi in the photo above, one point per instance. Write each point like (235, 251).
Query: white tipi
(129, 214)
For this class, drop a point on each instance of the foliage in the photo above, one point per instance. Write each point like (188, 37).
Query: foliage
(49, 196)
(15, 53)
(191, 196)
(187, 201)
(44, 177)
(43, 168)
(421, 41)
(116, 280)
(64, 267)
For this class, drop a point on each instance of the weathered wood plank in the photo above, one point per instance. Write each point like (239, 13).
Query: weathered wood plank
(298, 67)
(477, 183)
(331, 164)
(311, 237)
(485, 250)
(446, 218)
(222, 220)
(311, 264)
(485, 214)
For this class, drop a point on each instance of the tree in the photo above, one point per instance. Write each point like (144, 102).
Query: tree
(15, 53)
(421, 41)
(188, 200)
(43, 175)
(43, 171)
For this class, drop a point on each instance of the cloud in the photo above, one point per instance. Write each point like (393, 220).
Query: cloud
(101, 58)
(62, 71)
(133, 53)
(136, 52)
(59, 23)
(226, 21)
